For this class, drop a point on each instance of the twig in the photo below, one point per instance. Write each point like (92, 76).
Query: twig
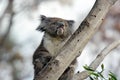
(84, 74)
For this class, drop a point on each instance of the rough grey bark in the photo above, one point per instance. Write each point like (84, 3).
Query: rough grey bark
(77, 42)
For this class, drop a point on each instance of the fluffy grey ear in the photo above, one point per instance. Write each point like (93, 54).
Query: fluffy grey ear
(40, 28)
(70, 22)
(43, 17)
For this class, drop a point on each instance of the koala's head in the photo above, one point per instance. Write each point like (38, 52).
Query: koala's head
(56, 27)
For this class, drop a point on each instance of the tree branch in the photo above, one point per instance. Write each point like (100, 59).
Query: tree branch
(10, 11)
(76, 43)
(84, 74)
(7, 10)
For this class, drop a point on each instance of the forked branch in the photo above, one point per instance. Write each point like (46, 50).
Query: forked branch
(100, 57)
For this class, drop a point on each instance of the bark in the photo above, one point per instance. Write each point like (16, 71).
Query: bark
(77, 42)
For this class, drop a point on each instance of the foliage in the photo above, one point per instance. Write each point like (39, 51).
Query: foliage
(98, 75)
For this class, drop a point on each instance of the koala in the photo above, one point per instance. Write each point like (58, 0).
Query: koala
(56, 33)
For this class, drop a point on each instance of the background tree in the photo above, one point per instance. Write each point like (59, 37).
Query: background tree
(18, 38)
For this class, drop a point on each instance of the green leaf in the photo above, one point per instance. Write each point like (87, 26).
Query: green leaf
(88, 68)
(112, 76)
(101, 75)
(94, 74)
(91, 78)
(102, 67)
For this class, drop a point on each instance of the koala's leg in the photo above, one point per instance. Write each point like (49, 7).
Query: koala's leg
(69, 72)
(40, 62)
(40, 58)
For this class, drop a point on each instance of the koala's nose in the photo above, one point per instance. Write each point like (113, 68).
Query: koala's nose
(60, 26)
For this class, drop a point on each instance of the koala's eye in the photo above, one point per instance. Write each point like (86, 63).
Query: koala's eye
(47, 21)
(54, 23)
(61, 23)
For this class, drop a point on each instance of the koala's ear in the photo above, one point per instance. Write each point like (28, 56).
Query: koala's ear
(43, 17)
(70, 22)
(39, 28)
